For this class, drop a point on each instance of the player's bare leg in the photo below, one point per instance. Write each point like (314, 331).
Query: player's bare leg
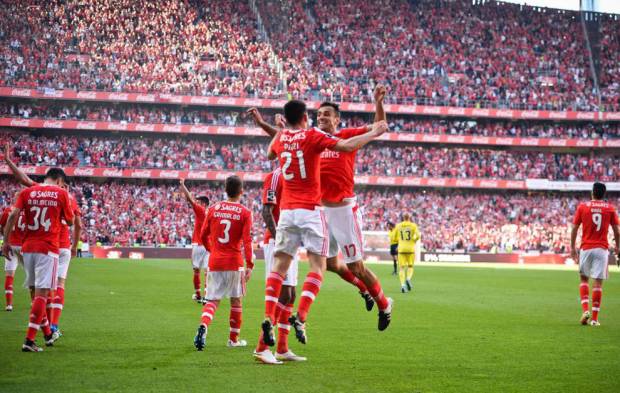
(402, 274)
(336, 266)
(197, 294)
(395, 260)
(584, 289)
(597, 294)
(374, 287)
(208, 312)
(235, 319)
(9, 277)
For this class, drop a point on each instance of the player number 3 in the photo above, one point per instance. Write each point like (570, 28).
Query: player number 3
(288, 157)
(597, 219)
(226, 237)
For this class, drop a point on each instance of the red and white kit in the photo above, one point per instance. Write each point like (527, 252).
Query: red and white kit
(301, 216)
(16, 239)
(344, 222)
(65, 241)
(596, 217)
(44, 207)
(272, 195)
(200, 255)
(226, 230)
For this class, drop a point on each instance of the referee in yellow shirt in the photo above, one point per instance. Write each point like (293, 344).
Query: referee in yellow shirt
(407, 234)
(393, 245)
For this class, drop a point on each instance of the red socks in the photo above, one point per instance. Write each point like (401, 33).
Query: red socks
(197, 283)
(235, 323)
(348, 276)
(377, 293)
(597, 293)
(311, 288)
(273, 287)
(8, 290)
(208, 311)
(284, 327)
(37, 314)
(57, 305)
(584, 288)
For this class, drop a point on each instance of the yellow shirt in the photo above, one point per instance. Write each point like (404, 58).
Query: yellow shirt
(393, 236)
(407, 236)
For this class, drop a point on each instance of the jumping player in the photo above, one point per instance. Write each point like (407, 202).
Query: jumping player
(596, 217)
(227, 229)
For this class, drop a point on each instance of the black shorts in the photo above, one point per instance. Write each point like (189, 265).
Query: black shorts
(394, 249)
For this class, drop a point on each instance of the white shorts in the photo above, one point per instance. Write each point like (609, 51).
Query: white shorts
(302, 226)
(41, 270)
(10, 263)
(63, 262)
(225, 284)
(200, 257)
(291, 275)
(345, 232)
(593, 263)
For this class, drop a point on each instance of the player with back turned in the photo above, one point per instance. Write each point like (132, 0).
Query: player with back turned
(595, 217)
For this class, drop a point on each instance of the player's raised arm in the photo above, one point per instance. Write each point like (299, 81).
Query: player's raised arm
(356, 142)
(271, 154)
(19, 174)
(188, 195)
(380, 91)
(258, 119)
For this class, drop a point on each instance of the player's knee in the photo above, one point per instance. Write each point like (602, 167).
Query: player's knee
(357, 268)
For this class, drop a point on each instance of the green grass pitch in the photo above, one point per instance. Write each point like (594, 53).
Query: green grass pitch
(129, 327)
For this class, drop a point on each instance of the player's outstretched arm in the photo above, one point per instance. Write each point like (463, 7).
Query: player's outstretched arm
(188, 195)
(354, 143)
(258, 119)
(573, 241)
(380, 91)
(19, 174)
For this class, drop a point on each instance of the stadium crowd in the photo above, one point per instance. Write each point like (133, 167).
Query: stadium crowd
(150, 114)
(149, 213)
(425, 51)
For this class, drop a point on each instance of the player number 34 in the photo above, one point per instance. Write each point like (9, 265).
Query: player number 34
(39, 219)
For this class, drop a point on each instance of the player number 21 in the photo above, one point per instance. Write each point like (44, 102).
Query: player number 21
(288, 157)
(226, 237)
(39, 219)
(597, 219)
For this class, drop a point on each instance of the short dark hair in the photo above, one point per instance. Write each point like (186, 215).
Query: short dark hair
(599, 190)
(56, 174)
(294, 111)
(330, 104)
(234, 185)
(204, 199)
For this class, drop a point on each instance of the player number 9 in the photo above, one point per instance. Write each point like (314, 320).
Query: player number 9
(597, 219)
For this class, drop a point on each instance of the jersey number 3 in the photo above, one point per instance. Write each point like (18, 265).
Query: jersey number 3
(226, 237)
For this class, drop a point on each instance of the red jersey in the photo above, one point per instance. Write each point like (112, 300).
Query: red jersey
(65, 232)
(272, 192)
(44, 207)
(227, 226)
(199, 220)
(299, 154)
(596, 217)
(338, 169)
(16, 237)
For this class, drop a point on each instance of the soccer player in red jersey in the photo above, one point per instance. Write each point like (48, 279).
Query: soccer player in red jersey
(200, 255)
(344, 215)
(227, 229)
(15, 240)
(596, 216)
(272, 196)
(44, 206)
(68, 250)
(302, 220)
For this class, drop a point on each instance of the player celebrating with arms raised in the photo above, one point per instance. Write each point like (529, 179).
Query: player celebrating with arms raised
(227, 228)
(301, 219)
(596, 217)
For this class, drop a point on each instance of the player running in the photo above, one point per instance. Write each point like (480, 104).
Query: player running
(44, 206)
(407, 234)
(200, 255)
(272, 196)
(596, 217)
(227, 228)
(393, 246)
(15, 239)
(302, 220)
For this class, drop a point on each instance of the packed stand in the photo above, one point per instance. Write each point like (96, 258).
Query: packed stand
(610, 62)
(165, 114)
(379, 158)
